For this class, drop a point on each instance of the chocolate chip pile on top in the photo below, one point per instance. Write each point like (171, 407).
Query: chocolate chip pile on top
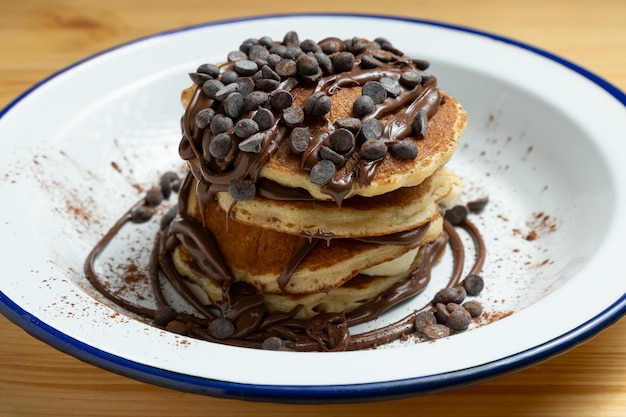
(252, 93)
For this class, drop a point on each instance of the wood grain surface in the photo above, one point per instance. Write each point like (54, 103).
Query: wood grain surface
(39, 37)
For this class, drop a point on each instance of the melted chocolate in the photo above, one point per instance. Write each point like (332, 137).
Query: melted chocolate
(243, 306)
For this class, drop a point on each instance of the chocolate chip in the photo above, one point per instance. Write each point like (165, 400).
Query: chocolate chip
(423, 319)
(373, 150)
(379, 40)
(261, 63)
(235, 56)
(353, 124)
(332, 156)
(457, 214)
(369, 62)
(312, 78)
(229, 77)
(273, 343)
(375, 90)
(363, 106)
(459, 319)
(473, 307)
(154, 197)
(331, 45)
(421, 64)
(247, 44)
(436, 331)
(209, 69)
(141, 214)
(342, 141)
(257, 52)
(163, 315)
(405, 149)
(452, 306)
(221, 328)
(427, 76)
(441, 313)
(410, 79)
(266, 84)
(220, 123)
(293, 52)
(167, 181)
(473, 284)
(255, 99)
(242, 190)
(176, 183)
(391, 86)
(384, 56)
(211, 87)
(269, 73)
(264, 118)
(420, 124)
(449, 295)
(273, 60)
(293, 116)
(220, 145)
(245, 85)
(245, 128)
(343, 61)
(199, 78)
(372, 129)
(287, 68)
(291, 38)
(385, 45)
(309, 45)
(307, 64)
(356, 45)
(280, 99)
(266, 41)
(318, 104)
(225, 91)
(278, 49)
(245, 67)
(322, 172)
(324, 62)
(233, 105)
(299, 139)
(478, 205)
(252, 145)
(203, 117)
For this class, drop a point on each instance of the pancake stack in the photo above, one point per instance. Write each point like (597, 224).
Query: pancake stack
(317, 172)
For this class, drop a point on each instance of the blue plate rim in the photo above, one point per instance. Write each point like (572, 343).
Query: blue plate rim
(327, 393)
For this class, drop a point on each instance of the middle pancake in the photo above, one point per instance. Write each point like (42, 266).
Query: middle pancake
(397, 211)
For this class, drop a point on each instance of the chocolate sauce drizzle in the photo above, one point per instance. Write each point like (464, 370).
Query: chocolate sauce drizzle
(243, 306)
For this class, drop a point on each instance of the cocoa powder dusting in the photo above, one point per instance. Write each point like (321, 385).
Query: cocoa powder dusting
(540, 224)
(116, 166)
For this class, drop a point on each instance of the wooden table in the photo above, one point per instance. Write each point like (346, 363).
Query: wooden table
(38, 37)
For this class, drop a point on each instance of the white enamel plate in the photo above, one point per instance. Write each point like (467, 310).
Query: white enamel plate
(544, 143)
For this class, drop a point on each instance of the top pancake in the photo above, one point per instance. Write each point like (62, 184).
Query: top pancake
(319, 95)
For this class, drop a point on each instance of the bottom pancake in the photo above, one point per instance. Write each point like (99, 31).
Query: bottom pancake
(354, 293)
